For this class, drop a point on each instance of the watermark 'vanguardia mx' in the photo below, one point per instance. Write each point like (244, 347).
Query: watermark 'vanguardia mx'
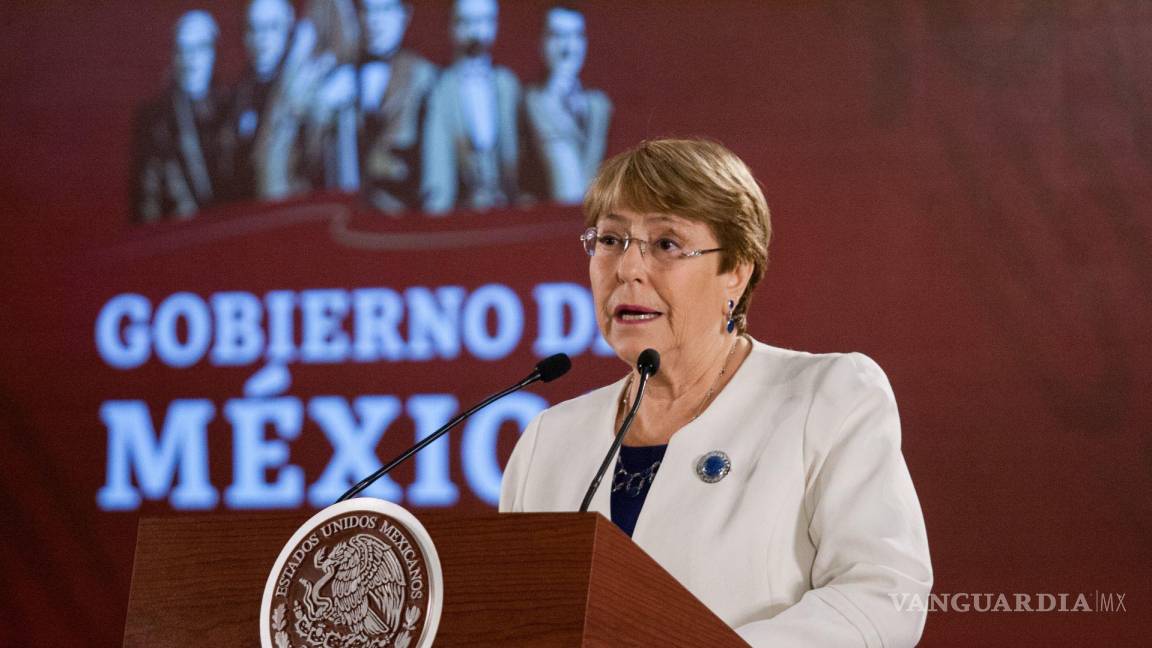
(1103, 602)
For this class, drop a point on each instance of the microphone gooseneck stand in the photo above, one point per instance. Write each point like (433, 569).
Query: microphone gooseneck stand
(647, 365)
(546, 370)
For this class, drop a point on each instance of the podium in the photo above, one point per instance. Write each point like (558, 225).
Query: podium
(523, 579)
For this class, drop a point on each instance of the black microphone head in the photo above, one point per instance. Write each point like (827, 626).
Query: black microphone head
(649, 362)
(553, 367)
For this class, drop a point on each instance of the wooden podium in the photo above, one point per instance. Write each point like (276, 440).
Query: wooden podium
(527, 579)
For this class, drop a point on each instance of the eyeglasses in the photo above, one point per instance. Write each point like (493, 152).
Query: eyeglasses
(663, 251)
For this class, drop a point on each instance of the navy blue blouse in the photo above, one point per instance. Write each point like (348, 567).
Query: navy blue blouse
(635, 469)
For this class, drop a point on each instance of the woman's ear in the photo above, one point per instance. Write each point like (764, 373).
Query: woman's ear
(738, 279)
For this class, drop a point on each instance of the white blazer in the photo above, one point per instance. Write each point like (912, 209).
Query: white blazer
(814, 534)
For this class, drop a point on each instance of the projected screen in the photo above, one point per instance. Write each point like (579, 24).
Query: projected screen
(336, 111)
(252, 250)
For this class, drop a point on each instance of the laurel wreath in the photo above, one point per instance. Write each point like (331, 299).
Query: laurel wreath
(278, 623)
(321, 635)
(411, 617)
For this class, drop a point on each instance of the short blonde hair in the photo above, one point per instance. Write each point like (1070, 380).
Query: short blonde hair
(697, 179)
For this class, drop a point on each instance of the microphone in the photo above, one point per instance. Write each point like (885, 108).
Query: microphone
(647, 364)
(546, 370)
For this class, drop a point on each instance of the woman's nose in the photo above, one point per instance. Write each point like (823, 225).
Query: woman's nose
(632, 264)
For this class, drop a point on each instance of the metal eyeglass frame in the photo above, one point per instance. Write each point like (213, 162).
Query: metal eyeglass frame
(588, 238)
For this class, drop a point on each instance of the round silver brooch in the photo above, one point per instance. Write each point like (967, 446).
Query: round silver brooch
(713, 467)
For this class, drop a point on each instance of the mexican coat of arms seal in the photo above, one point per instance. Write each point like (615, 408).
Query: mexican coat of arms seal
(360, 574)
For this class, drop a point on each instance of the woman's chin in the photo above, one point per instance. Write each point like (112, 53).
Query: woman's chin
(628, 347)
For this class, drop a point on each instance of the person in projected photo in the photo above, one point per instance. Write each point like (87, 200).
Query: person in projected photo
(248, 131)
(308, 137)
(176, 151)
(392, 86)
(565, 124)
(470, 146)
(345, 114)
(769, 482)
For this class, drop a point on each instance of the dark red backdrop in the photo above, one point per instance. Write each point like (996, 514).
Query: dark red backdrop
(959, 189)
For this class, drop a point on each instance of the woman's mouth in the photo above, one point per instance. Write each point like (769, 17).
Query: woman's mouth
(632, 314)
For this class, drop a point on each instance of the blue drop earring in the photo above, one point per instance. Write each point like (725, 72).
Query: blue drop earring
(731, 326)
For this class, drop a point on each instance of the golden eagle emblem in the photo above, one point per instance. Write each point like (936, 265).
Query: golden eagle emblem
(365, 585)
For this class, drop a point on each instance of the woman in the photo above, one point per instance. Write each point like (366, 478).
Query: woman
(769, 482)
